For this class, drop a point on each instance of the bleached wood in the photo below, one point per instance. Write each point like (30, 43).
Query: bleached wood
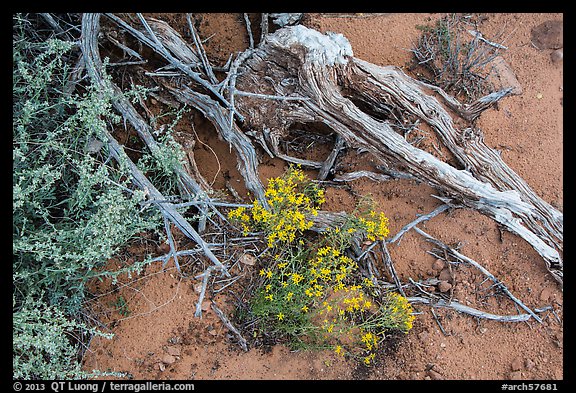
(303, 62)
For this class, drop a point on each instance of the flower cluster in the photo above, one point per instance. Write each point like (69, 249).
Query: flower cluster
(293, 199)
(313, 287)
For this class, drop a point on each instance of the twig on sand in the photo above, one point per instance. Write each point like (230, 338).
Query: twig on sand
(469, 310)
(205, 277)
(424, 217)
(230, 326)
(497, 283)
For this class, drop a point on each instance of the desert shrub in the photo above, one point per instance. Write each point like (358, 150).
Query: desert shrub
(72, 207)
(310, 291)
(452, 59)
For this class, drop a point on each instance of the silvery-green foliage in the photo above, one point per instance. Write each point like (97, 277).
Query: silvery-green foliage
(73, 207)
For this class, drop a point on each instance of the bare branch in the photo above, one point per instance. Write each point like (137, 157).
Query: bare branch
(469, 310)
(230, 326)
(497, 283)
(249, 29)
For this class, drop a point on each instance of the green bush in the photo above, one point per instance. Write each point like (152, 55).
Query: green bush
(73, 208)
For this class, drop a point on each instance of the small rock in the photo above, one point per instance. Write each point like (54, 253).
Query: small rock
(435, 375)
(438, 265)
(502, 76)
(198, 287)
(483, 330)
(205, 305)
(174, 351)
(423, 336)
(548, 35)
(445, 275)
(515, 375)
(175, 340)
(516, 364)
(164, 248)
(442, 345)
(444, 286)
(248, 259)
(557, 56)
(168, 359)
(161, 366)
(529, 364)
(545, 295)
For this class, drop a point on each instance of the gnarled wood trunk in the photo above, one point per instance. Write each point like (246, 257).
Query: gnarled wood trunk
(322, 81)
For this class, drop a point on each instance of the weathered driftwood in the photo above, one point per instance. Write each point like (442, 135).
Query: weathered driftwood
(168, 43)
(346, 93)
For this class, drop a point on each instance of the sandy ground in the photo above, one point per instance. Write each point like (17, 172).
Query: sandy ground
(161, 339)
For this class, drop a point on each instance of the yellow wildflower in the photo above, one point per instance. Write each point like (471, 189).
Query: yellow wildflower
(339, 350)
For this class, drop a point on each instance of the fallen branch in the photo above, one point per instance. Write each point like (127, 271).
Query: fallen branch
(205, 278)
(469, 310)
(351, 176)
(329, 162)
(390, 266)
(167, 209)
(422, 218)
(230, 326)
(497, 283)
(93, 64)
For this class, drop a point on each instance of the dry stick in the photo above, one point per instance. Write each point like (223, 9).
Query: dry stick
(298, 161)
(406, 228)
(329, 163)
(246, 153)
(230, 326)
(249, 28)
(172, 246)
(124, 48)
(424, 217)
(231, 79)
(497, 283)
(438, 322)
(390, 265)
(201, 51)
(377, 177)
(469, 310)
(263, 28)
(269, 96)
(155, 44)
(54, 25)
(418, 286)
(205, 277)
(478, 35)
